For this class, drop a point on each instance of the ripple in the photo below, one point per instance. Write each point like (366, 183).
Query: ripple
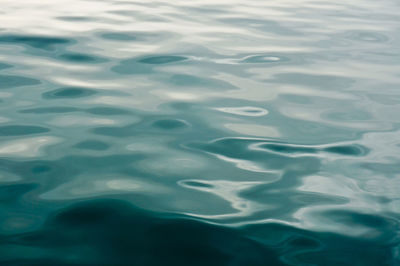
(245, 110)
(5, 66)
(92, 145)
(120, 228)
(228, 191)
(131, 66)
(174, 164)
(196, 184)
(355, 223)
(39, 42)
(349, 150)
(159, 60)
(119, 36)
(68, 92)
(311, 80)
(246, 154)
(74, 18)
(12, 81)
(289, 148)
(84, 186)
(81, 58)
(117, 132)
(199, 133)
(367, 36)
(259, 59)
(185, 80)
(108, 111)
(50, 110)
(19, 130)
(169, 124)
(145, 65)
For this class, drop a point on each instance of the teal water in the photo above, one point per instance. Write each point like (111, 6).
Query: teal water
(199, 132)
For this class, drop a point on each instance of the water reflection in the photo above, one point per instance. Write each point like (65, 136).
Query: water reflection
(208, 132)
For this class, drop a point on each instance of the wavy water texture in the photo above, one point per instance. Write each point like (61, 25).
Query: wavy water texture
(199, 132)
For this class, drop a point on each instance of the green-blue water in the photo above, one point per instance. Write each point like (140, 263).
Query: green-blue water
(199, 132)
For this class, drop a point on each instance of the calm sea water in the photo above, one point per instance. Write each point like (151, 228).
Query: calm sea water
(199, 132)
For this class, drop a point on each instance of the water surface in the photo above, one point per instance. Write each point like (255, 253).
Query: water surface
(199, 132)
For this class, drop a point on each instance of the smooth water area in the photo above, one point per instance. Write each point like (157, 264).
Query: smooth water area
(199, 132)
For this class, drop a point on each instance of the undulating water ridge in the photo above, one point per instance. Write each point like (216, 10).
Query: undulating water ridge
(199, 132)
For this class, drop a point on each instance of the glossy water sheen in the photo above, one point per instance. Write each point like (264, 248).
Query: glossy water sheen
(199, 132)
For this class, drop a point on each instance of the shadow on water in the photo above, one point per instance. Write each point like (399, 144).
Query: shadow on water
(114, 232)
(105, 232)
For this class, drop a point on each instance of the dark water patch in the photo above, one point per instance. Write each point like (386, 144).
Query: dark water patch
(287, 148)
(92, 145)
(159, 60)
(68, 92)
(196, 184)
(376, 227)
(145, 65)
(50, 110)
(353, 218)
(12, 81)
(75, 18)
(81, 58)
(38, 42)
(19, 130)
(182, 106)
(41, 168)
(169, 124)
(131, 66)
(114, 232)
(350, 150)
(108, 111)
(302, 247)
(119, 36)
(5, 66)
(11, 194)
